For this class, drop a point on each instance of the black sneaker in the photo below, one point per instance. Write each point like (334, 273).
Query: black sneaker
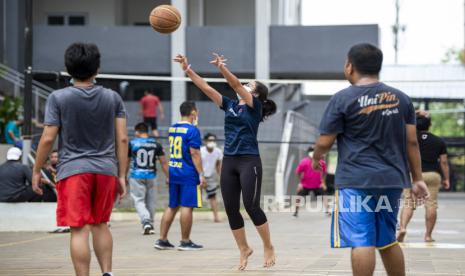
(189, 246)
(106, 274)
(163, 245)
(147, 229)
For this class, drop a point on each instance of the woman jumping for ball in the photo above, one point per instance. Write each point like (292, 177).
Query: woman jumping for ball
(242, 168)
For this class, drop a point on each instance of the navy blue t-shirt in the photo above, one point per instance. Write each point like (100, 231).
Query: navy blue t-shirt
(241, 127)
(370, 123)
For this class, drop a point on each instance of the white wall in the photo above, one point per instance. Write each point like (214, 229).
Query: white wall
(99, 13)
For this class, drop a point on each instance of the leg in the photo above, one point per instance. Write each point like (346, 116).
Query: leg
(393, 260)
(166, 221)
(103, 245)
(186, 223)
(251, 180)
(138, 194)
(214, 206)
(433, 181)
(80, 250)
(150, 199)
(245, 250)
(430, 219)
(406, 214)
(363, 261)
(231, 192)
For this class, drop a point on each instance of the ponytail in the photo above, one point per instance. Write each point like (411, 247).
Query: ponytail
(268, 106)
(268, 109)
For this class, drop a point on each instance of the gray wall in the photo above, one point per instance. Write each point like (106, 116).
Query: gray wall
(296, 51)
(315, 50)
(229, 13)
(236, 43)
(125, 49)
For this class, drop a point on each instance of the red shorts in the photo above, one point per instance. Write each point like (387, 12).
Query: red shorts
(85, 199)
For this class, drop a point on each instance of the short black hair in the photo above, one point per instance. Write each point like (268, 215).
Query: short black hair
(82, 60)
(208, 135)
(54, 151)
(310, 149)
(423, 123)
(366, 58)
(187, 107)
(142, 128)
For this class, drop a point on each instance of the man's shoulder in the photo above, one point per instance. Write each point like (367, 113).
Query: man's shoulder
(399, 93)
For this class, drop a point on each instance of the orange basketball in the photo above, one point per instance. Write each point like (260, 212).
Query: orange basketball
(165, 19)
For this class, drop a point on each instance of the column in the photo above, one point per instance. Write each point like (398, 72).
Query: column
(262, 39)
(178, 46)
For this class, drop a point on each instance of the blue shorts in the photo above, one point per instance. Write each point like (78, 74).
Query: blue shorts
(365, 217)
(185, 195)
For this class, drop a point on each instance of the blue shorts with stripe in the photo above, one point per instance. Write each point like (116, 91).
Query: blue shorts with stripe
(185, 195)
(365, 217)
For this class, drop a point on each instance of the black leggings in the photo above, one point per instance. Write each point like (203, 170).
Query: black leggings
(242, 173)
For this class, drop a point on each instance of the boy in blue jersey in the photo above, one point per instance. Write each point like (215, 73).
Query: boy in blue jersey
(143, 153)
(186, 178)
(374, 125)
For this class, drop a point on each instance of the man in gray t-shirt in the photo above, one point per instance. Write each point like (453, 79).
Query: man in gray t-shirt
(91, 124)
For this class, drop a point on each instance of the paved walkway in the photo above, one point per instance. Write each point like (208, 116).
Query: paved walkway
(302, 249)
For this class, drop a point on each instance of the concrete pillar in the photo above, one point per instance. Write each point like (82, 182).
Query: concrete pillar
(262, 39)
(178, 46)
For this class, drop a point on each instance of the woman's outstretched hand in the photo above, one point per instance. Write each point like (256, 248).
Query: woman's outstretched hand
(219, 60)
(183, 61)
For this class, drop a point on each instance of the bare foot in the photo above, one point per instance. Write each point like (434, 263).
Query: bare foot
(244, 256)
(429, 239)
(401, 235)
(269, 256)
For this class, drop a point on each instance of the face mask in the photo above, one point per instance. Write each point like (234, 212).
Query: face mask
(246, 87)
(310, 154)
(211, 145)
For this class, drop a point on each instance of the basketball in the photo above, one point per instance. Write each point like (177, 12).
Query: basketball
(165, 19)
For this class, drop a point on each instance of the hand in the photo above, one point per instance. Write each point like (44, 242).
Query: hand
(299, 187)
(422, 113)
(203, 182)
(420, 192)
(324, 187)
(316, 165)
(219, 60)
(182, 60)
(121, 189)
(167, 181)
(446, 184)
(162, 116)
(36, 180)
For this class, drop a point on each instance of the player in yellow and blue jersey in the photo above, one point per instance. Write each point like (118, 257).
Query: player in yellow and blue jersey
(186, 177)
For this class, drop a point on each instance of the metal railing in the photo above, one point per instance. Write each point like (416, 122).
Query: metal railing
(39, 90)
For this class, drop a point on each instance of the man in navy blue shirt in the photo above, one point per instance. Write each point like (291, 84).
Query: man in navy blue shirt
(374, 125)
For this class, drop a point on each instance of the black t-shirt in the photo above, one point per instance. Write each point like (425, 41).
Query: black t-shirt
(431, 147)
(14, 177)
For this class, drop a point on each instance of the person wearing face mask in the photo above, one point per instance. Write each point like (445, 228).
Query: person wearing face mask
(211, 161)
(241, 171)
(186, 178)
(312, 182)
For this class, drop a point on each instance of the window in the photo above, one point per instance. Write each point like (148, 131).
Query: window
(56, 20)
(71, 19)
(76, 20)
